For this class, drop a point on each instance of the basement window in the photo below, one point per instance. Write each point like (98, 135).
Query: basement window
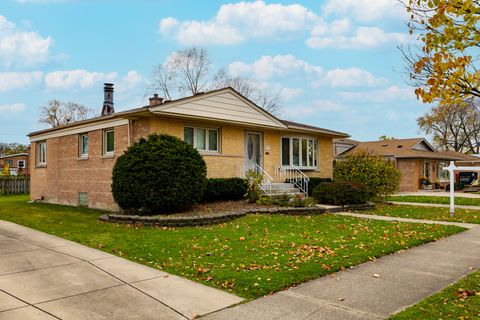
(83, 199)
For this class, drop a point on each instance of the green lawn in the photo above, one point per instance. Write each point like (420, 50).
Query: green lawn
(251, 256)
(437, 200)
(459, 301)
(427, 213)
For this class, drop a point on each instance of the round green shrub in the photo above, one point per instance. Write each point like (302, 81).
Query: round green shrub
(380, 176)
(159, 174)
(341, 193)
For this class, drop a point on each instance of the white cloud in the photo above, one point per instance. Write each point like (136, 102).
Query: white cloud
(12, 108)
(268, 67)
(352, 77)
(365, 10)
(22, 47)
(234, 23)
(316, 108)
(390, 94)
(362, 38)
(132, 79)
(288, 94)
(289, 67)
(15, 80)
(76, 78)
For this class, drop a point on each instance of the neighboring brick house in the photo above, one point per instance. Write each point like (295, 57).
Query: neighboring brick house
(73, 163)
(414, 158)
(18, 163)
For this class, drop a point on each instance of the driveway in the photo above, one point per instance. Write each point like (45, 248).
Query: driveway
(47, 277)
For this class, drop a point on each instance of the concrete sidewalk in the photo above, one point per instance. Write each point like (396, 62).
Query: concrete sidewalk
(440, 193)
(437, 205)
(46, 277)
(372, 290)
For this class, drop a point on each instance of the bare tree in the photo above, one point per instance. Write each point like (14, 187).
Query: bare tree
(188, 72)
(248, 89)
(58, 113)
(454, 127)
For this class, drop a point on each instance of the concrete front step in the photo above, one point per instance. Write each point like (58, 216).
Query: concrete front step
(285, 190)
(280, 195)
(278, 185)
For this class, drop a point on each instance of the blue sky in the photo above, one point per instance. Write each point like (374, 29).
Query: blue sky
(334, 63)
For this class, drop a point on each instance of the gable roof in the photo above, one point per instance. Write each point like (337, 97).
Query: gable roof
(224, 105)
(404, 148)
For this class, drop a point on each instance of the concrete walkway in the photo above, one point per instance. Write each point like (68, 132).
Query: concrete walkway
(438, 205)
(46, 277)
(440, 193)
(372, 290)
(408, 220)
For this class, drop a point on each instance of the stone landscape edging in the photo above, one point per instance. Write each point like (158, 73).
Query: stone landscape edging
(191, 221)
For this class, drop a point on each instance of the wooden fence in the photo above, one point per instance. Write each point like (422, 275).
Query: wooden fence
(14, 184)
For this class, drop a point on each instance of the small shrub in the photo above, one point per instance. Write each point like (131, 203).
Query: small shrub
(379, 176)
(341, 193)
(315, 182)
(225, 189)
(299, 200)
(255, 180)
(158, 174)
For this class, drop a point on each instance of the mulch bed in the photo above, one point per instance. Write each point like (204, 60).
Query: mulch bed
(212, 208)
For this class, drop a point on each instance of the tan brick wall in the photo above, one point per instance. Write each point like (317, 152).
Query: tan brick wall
(410, 169)
(66, 175)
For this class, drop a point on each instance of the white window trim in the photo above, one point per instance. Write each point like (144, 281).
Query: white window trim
(24, 164)
(105, 152)
(80, 146)
(38, 152)
(207, 141)
(300, 167)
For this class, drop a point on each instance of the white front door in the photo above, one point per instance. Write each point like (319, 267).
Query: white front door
(253, 150)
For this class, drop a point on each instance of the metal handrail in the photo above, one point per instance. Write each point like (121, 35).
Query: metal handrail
(266, 185)
(267, 180)
(297, 177)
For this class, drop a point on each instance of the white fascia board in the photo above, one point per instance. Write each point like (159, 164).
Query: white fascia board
(79, 129)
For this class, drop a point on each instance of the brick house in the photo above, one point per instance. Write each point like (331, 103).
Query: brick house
(18, 163)
(73, 163)
(414, 158)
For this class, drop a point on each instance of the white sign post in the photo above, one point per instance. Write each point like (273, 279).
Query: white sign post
(451, 172)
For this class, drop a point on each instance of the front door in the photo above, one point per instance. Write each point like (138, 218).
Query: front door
(253, 150)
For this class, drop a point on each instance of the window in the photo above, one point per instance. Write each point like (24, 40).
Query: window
(21, 163)
(299, 152)
(83, 199)
(42, 153)
(442, 175)
(108, 142)
(9, 162)
(83, 145)
(203, 139)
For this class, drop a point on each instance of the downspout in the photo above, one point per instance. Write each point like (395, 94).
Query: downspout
(129, 133)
